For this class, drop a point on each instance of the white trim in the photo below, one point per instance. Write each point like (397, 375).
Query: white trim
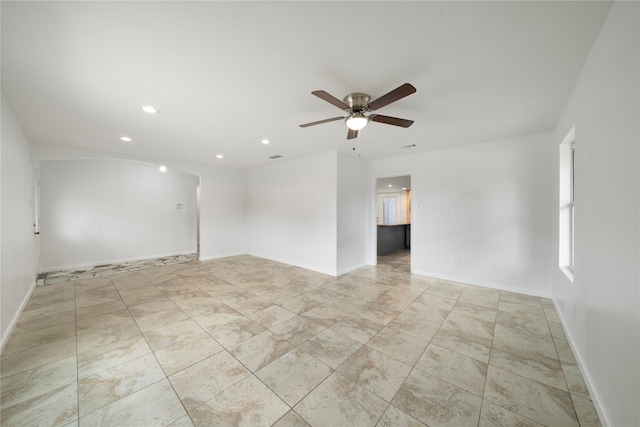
(14, 321)
(220, 256)
(373, 207)
(295, 264)
(351, 268)
(114, 261)
(491, 285)
(593, 392)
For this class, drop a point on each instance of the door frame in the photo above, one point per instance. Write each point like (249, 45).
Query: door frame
(373, 207)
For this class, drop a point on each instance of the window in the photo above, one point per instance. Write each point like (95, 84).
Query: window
(566, 230)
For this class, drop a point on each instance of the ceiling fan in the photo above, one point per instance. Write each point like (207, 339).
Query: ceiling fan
(356, 105)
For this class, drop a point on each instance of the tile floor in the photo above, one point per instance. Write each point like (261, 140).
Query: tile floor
(246, 341)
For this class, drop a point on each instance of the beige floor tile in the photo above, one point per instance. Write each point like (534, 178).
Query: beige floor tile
(375, 371)
(37, 323)
(339, 401)
(154, 405)
(345, 303)
(437, 403)
(173, 333)
(38, 381)
(474, 310)
(528, 364)
(356, 328)
(252, 305)
(184, 421)
(535, 325)
(33, 338)
(540, 344)
(247, 403)
(291, 419)
(107, 329)
(95, 296)
(271, 316)
(293, 375)
(575, 381)
(20, 361)
(199, 383)
(433, 300)
(480, 296)
(297, 330)
(457, 369)
(49, 308)
(398, 345)
(324, 315)
(300, 304)
(235, 332)
(96, 310)
(565, 354)
(182, 317)
(470, 324)
(522, 309)
(160, 319)
(586, 411)
(96, 359)
(446, 289)
(529, 398)
(394, 417)
(98, 390)
(463, 342)
(330, 347)
(186, 351)
(260, 350)
(557, 331)
(493, 415)
(57, 407)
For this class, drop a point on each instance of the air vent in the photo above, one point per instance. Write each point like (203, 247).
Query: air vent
(277, 156)
(409, 146)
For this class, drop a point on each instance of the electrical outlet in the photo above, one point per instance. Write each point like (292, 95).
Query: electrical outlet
(178, 205)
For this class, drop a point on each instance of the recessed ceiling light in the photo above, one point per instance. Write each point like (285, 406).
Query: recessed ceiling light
(125, 139)
(389, 185)
(265, 141)
(149, 109)
(219, 156)
(162, 168)
(404, 188)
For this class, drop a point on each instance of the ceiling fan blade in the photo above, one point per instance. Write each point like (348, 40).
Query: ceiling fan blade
(319, 122)
(352, 134)
(404, 123)
(396, 94)
(330, 99)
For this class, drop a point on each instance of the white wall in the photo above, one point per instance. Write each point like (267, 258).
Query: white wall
(18, 259)
(222, 196)
(480, 213)
(292, 212)
(104, 211)
(600, 310)
(352, 214)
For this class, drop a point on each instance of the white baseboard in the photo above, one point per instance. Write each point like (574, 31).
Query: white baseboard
(14, 320)
(351, 268)
(112, 261)
(220, 256)
(296, 264)
(593, 391)
(498, 286)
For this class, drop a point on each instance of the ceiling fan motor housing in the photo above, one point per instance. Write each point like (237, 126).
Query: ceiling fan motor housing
(358, 102)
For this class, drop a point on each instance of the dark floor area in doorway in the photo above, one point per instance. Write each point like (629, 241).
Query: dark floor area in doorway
(398, 261)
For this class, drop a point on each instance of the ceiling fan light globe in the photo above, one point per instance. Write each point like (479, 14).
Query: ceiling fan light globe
(356, 122)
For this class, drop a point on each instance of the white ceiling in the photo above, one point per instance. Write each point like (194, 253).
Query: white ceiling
(225, 75)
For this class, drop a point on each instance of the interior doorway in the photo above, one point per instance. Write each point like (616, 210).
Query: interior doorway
(392, 236)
